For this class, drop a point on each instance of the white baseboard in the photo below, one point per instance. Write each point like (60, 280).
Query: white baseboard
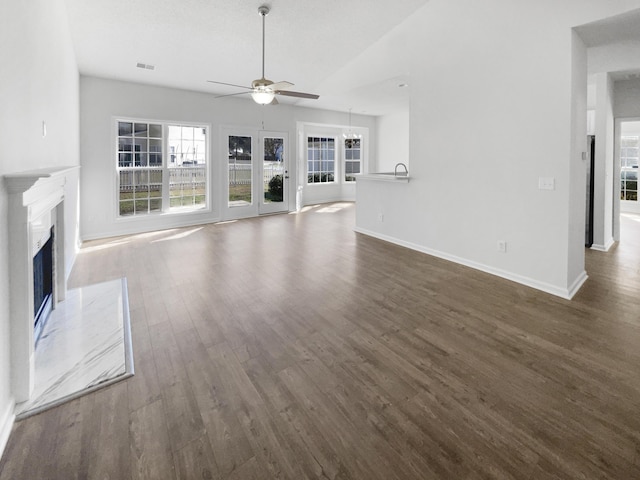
(577, 284)
(130, 228)
(566, 293)
(6, 424)
(603, 248)
(334, 199)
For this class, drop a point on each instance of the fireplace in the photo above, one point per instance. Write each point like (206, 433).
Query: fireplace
(42, 284)
(36, 241)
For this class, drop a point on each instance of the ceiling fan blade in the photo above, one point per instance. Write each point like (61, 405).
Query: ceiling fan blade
(274, 101)
(280, 86)
(286, 93)
(231, 95)
(230, 84)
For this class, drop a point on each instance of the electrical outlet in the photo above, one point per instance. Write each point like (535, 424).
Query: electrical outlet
(381, 217)
(502, 246)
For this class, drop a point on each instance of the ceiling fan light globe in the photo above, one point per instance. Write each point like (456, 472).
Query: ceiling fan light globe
(263, 97)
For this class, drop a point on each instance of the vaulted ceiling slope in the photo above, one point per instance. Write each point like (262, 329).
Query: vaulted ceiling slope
(192, 41)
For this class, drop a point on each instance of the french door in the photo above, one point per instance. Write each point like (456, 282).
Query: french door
(257, 173)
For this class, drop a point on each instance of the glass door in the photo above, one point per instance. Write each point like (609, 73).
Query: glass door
(256, 173)
(274, 173)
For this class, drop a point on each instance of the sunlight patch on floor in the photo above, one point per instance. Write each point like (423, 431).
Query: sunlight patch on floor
(103, 246)
(304, 209)
(334, 207)
(178, 236)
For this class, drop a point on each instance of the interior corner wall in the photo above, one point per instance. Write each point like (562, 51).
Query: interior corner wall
(577, 165)
(332, 192)
(603, 170)
(392, 141)
(38, 83)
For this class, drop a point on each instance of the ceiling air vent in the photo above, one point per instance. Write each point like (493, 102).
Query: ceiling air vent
(145, 66)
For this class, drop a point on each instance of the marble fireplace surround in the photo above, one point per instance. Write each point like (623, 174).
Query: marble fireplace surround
(36, 202)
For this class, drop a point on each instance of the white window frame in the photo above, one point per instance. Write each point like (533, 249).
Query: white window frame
(165, 168)
(351, 160)
(624, 168)
(335, 160)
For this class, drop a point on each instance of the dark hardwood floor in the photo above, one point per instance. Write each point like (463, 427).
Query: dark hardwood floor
(290, 347)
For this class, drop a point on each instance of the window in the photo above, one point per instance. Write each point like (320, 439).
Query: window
(156, 176)
(140, 168)
(352, 158)
(321, 155)
(187, 166)
(629, 153)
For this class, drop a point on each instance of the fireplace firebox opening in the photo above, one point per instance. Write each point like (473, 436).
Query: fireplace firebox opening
(43, 285)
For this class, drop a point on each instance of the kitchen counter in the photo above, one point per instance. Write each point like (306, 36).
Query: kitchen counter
(384, 177)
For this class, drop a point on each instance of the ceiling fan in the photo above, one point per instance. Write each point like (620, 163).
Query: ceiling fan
(262, 90)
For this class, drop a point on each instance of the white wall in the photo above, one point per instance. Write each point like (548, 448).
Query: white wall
(614, 57)
(393, 141)
(577, 163)
(489, 174)
(104, 100)
(603, 171)
(496, 110)
(627, 99)
(38, 82)
(627, 106)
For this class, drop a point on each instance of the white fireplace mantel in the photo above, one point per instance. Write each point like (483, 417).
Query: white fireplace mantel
(36, 202)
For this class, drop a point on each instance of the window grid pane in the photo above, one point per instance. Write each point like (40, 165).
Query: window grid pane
(187, 168)
(321, 153)
(352, 157)
(142, 168)
(629, 153)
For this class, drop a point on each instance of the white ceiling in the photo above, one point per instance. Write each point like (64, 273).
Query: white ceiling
(192, 41)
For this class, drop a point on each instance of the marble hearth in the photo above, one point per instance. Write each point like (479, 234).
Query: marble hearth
(85, 345)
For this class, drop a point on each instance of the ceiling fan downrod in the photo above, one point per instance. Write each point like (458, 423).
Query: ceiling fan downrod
(263, 11)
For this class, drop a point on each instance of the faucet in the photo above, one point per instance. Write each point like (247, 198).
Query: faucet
(406, 171)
